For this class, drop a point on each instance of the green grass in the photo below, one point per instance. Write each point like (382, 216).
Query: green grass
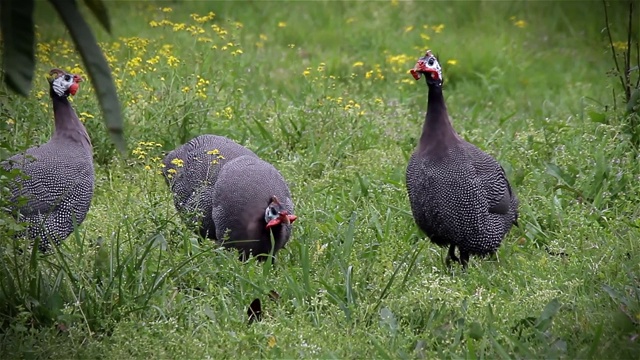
(357, 280)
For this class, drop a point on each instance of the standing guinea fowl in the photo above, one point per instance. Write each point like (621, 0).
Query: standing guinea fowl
(58, 182)
(251, 202)
(460, 196)
(191, 172)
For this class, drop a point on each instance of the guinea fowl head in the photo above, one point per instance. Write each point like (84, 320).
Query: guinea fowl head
(275, 214)
(62, 83)
(430, 67)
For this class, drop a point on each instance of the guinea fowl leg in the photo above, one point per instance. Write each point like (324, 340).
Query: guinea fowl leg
(451, 256)
(464, 258)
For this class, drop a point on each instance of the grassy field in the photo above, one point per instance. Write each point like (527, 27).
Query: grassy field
(321, 90)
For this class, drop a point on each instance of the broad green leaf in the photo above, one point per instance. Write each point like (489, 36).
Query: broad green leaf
(544, 320)
(555, 171)
(97, 68)
(475, 331)
(100, 12)
(597, 117)
(16, 24)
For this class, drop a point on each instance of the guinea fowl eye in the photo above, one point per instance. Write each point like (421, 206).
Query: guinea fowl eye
(431, 62)
(274, 212)
(67, 78)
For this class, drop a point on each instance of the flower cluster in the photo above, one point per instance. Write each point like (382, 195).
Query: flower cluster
(216, 156)
(147, 154)
(350, 106)
(518, 22)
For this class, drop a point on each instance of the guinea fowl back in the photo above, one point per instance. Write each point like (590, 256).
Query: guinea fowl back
(59, 175)
(191, 171)
(459, 195)
(246, 187)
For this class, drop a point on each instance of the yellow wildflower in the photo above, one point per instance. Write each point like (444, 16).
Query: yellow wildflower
(358, 63)
(620, 45)
(228, 112)
(408, 28)
(172, 61)
(178, 162)
(520, 23)
(282, 24)
(166, 9)
(452, 62)
(271, 342)
(438, 28)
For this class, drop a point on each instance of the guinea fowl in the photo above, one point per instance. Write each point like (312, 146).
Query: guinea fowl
(191, 171)
(460, 196)
(58, 186)
(251, 202)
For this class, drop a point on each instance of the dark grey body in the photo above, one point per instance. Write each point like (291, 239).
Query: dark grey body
(242, 193)
(59, 180)
(193, 183)
(461, 198)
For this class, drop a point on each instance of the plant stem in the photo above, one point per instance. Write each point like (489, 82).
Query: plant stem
(613, 49)
(627, 60)
(638, 63)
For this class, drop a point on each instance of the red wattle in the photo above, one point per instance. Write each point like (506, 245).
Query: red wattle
(273, 222)
(73, 89)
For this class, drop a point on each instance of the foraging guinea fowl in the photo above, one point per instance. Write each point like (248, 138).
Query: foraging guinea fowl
(191, 171)
(460, 196)
(251, 201)
(58, 182)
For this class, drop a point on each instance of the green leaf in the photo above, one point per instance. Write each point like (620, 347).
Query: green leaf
(544, 320)
(16, 24)
(97, 68)
(475, 331)
(597, 117)
(100, 12)
(555, 171)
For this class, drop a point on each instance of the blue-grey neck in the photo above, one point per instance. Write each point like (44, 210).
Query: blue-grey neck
(67, 125)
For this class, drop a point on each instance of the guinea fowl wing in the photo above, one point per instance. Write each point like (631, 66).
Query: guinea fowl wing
(447, 201)
(493, 179)
(49, 179)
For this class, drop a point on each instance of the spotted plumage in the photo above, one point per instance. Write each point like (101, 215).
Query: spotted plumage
(191, 172)
(57, 186)
(460, 196)
(251, 202)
